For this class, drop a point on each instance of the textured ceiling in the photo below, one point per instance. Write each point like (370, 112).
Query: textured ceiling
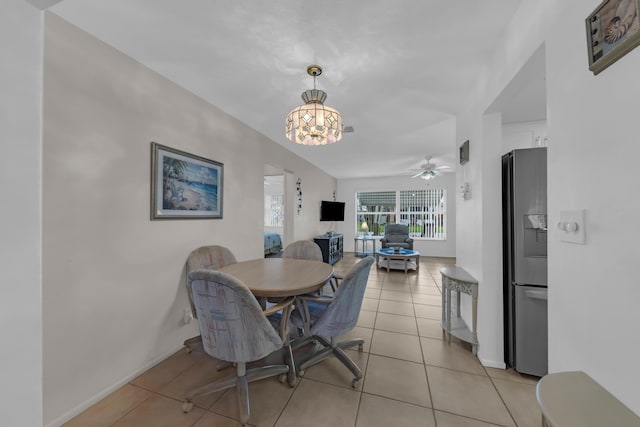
(398, 71)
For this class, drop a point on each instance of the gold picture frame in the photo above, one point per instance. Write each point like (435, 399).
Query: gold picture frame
(613, 30)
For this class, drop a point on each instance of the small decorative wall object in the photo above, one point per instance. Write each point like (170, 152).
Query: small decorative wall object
(465, 191)
(464, 152)
(299, 190)
(613, 30)
(540, 141)
(184, 186)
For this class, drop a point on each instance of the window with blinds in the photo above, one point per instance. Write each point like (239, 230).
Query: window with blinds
(274, 210)
(424, 211)
(375, 209)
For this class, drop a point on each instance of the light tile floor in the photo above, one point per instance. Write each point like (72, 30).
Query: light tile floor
(412, 377)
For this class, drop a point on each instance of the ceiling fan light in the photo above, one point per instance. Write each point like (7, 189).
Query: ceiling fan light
(428, 175)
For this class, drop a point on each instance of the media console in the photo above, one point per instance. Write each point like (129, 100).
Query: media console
(331, 246)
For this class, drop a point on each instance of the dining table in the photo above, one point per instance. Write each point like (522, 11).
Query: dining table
(280, 277)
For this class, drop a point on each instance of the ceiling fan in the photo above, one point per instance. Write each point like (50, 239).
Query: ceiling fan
(428, 170)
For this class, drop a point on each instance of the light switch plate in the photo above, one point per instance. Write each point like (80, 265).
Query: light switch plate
(572, 227)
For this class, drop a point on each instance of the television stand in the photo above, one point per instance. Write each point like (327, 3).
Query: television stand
(331, 247)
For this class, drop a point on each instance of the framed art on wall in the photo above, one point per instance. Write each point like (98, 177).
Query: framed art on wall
(612, 32)
(464, 152)
(183, 185)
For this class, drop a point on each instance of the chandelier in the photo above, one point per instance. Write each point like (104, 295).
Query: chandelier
(314, 123)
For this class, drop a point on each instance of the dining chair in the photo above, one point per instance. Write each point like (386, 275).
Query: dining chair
(306, 249)
(323, 319)
(235, 329)
(208, 258)
(303, 249)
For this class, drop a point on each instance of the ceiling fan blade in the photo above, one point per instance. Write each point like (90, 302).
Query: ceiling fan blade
(417, 175)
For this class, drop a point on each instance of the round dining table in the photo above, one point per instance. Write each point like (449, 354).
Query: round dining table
(280, 277)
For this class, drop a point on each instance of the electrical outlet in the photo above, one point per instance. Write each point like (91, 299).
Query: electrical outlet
(188, 315)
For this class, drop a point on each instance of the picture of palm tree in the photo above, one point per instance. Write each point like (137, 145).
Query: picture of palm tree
(186, 185)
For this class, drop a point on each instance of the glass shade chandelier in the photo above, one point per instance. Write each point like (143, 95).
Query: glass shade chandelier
(314, 123)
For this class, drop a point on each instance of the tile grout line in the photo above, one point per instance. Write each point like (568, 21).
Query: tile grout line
(501, 398)
(132, 409)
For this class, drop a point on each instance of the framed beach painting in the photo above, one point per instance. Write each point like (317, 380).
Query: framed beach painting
(184, 186)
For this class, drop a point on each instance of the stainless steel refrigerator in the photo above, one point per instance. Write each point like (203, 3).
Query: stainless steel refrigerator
(524, 220)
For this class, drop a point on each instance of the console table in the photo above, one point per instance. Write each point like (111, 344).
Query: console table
(331, 247)
(458, 280)
(569, 399)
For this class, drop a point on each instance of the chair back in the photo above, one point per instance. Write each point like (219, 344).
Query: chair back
(342, 314)
(303, 249)
(232, 324)
(207, 258)
(396, 232)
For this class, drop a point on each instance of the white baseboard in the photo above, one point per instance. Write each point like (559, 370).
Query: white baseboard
(104, 393)
(492, 363)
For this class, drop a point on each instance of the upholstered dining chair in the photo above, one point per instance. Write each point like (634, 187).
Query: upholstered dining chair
(397, 235)
(208, 258)
(306, 249)
(323, 319)
(303, 249)
(235, 329)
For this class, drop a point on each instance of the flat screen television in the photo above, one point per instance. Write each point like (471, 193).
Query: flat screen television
(331, 211)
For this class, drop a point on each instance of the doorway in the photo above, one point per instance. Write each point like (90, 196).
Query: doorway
(279, 189)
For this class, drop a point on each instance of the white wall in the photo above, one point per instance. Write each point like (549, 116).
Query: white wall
(21, 32)
(591, 122)
(112, 277)
(347, 189)
(523, 135)
(593, 165)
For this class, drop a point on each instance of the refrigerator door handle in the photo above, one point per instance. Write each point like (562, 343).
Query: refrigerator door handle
(536, 294)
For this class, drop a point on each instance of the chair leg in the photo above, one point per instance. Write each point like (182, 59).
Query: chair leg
(346, 361)
(262, 372)
(302, 341)
(351, 343)
(194, 343)
(290, 362)
(219, 385)
(313, 359)
(242, 386)
(336, 349)
(323, 341)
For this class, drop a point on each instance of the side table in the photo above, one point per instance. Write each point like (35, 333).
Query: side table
(569, 399)
(364, 239)
(458, 280)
